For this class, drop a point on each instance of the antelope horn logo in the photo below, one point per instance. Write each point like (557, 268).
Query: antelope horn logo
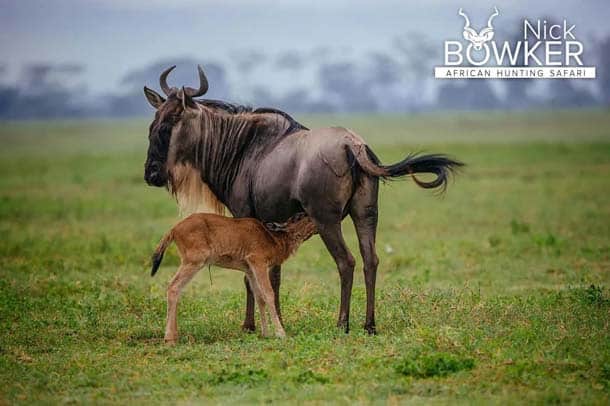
(478, 38)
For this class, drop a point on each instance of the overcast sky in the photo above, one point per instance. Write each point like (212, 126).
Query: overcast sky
(112, 37)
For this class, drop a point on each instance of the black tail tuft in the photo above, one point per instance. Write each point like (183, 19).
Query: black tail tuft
(156, 262)
(440, 165)
(157, 256)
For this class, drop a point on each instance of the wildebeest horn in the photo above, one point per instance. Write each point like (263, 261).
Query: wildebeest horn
(163, 80)
(203, 85)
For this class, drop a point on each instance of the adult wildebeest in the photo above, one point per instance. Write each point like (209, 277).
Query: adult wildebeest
(263, 164)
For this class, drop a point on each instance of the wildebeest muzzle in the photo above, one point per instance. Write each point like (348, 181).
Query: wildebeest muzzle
(155, 174)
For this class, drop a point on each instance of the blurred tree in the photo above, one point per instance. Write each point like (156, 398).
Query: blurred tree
(384, 70)
(321, 53)
(290, 60)
(603, 69)
(45, 91)
(298, 100)
(517, 96)
(9, 101)
(247, 60)
(417, 54)
(469, 94)
(386, 78)
(345, 88)
(563, 93)
(42, 77)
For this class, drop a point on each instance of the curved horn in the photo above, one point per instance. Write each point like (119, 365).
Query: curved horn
(203, 85)
(491, 17)
(163, 80)
(460, 12)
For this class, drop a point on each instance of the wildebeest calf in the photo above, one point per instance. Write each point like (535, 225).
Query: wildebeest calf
(244, 244)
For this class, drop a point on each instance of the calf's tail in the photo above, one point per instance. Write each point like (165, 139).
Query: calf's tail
(438, 164)
(157, 256)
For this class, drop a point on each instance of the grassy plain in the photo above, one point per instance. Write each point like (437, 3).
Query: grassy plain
(495, 293)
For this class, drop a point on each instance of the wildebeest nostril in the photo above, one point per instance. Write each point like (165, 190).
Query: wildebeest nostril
(155, 178)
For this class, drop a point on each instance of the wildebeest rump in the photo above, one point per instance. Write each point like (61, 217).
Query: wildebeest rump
(263, 164)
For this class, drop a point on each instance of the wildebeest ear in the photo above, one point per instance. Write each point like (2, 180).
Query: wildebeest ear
(153, 97)
(187, 101)
(299, 216)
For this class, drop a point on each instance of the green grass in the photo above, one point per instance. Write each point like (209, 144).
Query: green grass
(495, 293)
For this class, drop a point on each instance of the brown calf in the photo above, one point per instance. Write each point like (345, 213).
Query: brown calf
(243, 244)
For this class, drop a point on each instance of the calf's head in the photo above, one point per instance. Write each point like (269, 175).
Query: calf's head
(169, 119)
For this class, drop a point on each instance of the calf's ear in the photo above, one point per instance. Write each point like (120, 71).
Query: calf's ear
(153, 97)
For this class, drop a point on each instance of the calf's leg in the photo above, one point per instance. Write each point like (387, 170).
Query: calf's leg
(275, 275)
(185, 273)
(263, 311)
(263, 282)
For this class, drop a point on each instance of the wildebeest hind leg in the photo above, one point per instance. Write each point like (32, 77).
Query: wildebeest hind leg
(363, 210)
(333, 239)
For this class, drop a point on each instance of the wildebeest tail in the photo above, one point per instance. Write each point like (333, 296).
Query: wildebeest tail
(438, 164)
(157, 256)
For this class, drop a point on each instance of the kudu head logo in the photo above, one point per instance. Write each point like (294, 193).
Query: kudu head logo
(478, 38)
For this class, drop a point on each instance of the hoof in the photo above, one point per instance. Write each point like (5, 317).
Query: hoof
(248, 328)
(344, 325)
(280, 334)
(371, 330)
(171, 341)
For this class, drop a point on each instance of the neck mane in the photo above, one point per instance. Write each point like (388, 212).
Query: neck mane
(228, 135)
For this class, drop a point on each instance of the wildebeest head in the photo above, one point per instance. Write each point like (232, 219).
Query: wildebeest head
(170, 113)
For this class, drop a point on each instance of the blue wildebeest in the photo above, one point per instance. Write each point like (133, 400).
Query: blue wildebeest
(263, 164)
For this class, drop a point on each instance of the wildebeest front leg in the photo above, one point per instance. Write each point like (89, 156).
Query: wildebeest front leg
(333, 239)
(249, 323)
(275, 276)
(261, 277)
(260, 301)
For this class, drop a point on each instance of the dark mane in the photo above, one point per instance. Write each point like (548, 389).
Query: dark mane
(226, 106)
(224, 142)
(234, 108)
(294, 125)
